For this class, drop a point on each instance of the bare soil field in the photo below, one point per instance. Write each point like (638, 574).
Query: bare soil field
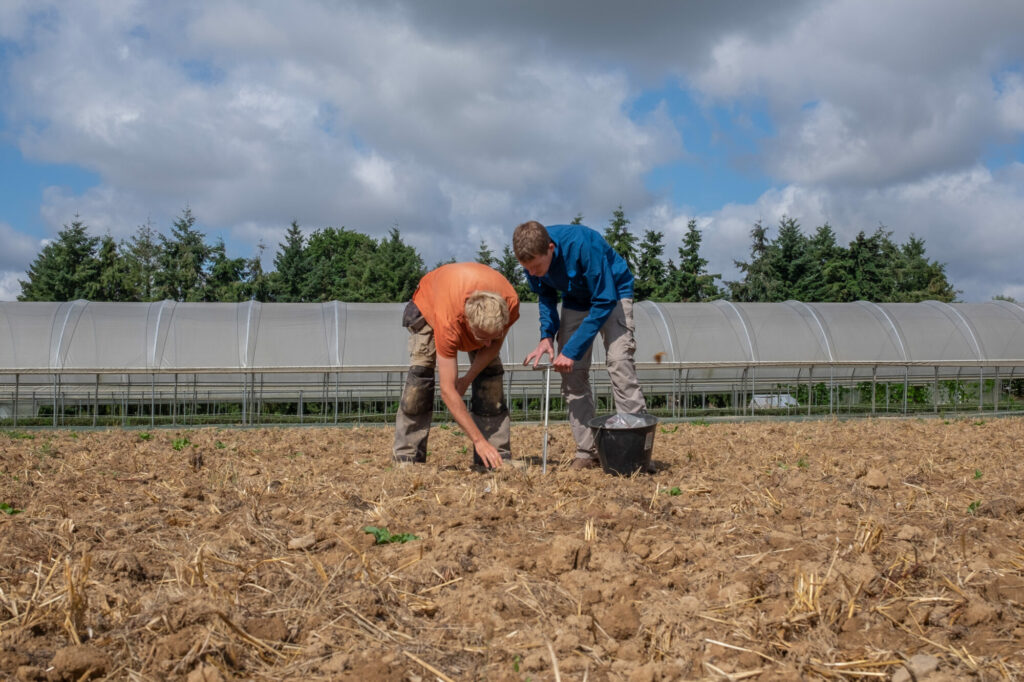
(881, 549)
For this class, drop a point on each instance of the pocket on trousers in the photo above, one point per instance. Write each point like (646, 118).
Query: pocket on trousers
(627, 340)
(627, 315)
(421, 350)
(625, 332)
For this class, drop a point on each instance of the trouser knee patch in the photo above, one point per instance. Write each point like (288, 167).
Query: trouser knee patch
(418, 394)
(489, 393)
(412, 318)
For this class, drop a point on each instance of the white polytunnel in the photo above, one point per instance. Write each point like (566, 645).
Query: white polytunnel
(97, 351)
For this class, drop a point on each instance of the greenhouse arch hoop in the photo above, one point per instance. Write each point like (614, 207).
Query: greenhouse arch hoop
(166, 362)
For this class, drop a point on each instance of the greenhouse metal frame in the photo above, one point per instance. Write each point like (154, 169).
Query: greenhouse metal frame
(87, 363)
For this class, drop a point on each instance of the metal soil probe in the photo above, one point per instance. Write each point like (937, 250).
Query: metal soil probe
(547, 406)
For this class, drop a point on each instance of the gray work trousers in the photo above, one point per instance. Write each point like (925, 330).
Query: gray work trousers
(412, 422)
(617, 333)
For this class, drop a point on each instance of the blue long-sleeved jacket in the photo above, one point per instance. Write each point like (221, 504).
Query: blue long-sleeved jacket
(589, 275)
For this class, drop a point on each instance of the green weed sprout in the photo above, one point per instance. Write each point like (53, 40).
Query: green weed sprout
(382, 536)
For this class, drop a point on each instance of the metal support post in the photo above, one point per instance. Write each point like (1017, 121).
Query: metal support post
(686, 393)
(956, 392)
(810, 389)
(874, 386)
(996, 387)
(906, 387)
(981, 389)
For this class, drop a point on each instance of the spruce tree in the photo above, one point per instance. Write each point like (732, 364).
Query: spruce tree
(690, 280)
(142, 252)
(621, 239)
(822, 256)
(115, 280)
(867, 268)
(788, 260)
(917, 278)
(291, 267)
(66, 269)
(394, 270)
(257, 283)
(756, 283)
(183, 261)
(650, 272)
(226, 278)
(484, 254)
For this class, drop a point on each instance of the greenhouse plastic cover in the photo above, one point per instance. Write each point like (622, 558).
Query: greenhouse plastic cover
(170, 337)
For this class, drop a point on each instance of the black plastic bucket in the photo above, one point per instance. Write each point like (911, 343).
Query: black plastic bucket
(624, 450)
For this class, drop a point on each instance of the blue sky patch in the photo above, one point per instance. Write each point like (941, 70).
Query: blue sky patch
(202, 71)
(21, 190)
(721, 147)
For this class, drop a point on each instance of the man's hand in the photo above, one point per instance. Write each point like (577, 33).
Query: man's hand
(545, 347)
(563, 364)
(488, 453)
(462, 383)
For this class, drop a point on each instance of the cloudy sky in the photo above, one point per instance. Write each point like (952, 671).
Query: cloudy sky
(454, 121)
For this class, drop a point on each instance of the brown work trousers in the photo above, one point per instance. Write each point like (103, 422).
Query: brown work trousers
(412, 422)
(617, 333)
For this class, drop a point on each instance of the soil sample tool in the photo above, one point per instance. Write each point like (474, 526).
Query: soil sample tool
(546, 366)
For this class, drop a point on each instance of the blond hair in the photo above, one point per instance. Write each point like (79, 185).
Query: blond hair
(530, 240)
(486, 312)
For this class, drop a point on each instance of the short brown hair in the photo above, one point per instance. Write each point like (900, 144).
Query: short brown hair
(486, 312)
(530, 240)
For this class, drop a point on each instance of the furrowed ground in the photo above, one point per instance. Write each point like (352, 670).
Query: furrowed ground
(767, 551)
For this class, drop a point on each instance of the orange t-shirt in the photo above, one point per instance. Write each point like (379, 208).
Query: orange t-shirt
(441, 297)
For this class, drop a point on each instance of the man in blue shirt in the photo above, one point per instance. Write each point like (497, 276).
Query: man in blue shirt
(575, 263)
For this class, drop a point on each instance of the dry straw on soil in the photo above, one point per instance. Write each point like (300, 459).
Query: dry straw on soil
(766, 551)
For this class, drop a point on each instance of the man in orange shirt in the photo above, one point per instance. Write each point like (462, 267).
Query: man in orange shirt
(465, 307)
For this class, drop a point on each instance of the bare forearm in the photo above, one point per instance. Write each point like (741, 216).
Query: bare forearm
(483, 357)
(453, 401)
(452, 388)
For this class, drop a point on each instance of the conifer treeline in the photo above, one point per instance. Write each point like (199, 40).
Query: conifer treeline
(345, 265)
